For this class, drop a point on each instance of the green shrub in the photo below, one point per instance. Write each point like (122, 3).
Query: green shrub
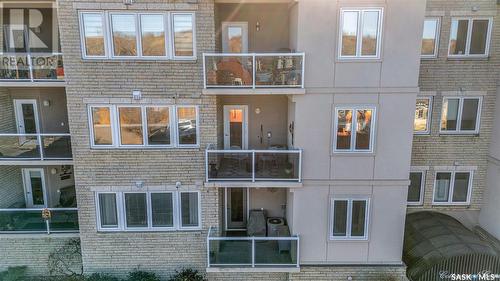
(101, 277)
(187, 274)
(17, 273)
(142, 276)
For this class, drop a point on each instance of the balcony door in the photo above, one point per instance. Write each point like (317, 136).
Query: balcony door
(236, 208)
(235, 127)
(26, 114)
(34, 187)
(235, 37)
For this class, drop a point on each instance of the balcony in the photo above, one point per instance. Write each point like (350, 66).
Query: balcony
(278, 254)
(62, 220)
(31, 68)
(258, 73)
(41, 147)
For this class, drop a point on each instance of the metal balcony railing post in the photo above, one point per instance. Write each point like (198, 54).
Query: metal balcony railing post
(30, 66)
(253, 251)
(253, 70)
(40, 145)
(48, 226)
(253, 166)
(298, 251)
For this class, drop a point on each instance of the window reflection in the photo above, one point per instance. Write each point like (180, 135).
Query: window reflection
(124, 35)
(101, 122)
(429, 37)
(183, 35)
(186, 122)
(370, 30)
(344, 129)
(94, 34)
(130, 125)
(421, 122)
(349, 33)
(153, 35)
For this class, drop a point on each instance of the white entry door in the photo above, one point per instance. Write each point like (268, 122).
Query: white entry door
(26, 116)
(235, 37)
(236, 208)
(34, 188)
(235, 127)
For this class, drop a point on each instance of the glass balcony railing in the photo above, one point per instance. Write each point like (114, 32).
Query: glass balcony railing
(31, 67)
(252, 251)
(31, 220)
(35, 147)
(281, 70)
(253, 165)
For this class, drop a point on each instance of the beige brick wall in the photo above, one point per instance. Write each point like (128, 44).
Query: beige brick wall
(11, 183)
(443, 74)
(7, 119)
(358, 273)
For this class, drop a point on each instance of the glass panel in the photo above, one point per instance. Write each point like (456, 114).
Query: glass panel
(189, 209)
(283, 71)
(107, 210)
(14, 67)
(29, 118)
(469, 114)
(186, 118)
(235, 39)
(450, 114)
(340, 218)
(234, 71)
(162, 209)
(56, 147)
(183, 35)
(344, 129)
(136, 210)
(369, 32)
(64, 220)
(441, 193)
(479, 37)
(274, 252)
(36, 184)
(22, 221)
(153, 35)
(130, 125)
(19, 147)
(461, 187)
(415, 187)
(94, 34)
(47, 67)
(158, 125)
(124, 35)
(230, 165)
(363, 129)
(236, 128)
(358, 218)
(429, 37)
(237, 204)
(230, 252)
(458, 40)
(349, 33)
(421, 116)
(101, 121)
(277, 165)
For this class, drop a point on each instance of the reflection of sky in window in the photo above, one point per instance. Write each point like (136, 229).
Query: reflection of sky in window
(124, 23)
(234, 32)
(454, 30)
(370, 24)
(93, 25)
(430, 29)
(350, 26)
(152, 24)
(182, 23)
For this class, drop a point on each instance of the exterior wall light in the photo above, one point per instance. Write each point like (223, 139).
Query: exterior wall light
(136, 95)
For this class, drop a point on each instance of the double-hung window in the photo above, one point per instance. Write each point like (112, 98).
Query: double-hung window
(148, 211)
(423, 111)
(354, 129)
(349, 218)
(430, 38)
(461, 115)
(452, 188)
(144, 126)
(470, 37)
(416, 188)
(360, 32)
(133, 35)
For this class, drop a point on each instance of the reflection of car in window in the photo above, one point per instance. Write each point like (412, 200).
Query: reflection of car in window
(187, 126)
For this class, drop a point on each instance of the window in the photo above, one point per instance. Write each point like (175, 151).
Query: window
(430, 38)
(470, 37)
(416, 188)
(354, 129)
(423, 111)
(148, 211)
(452, 188)
(349, 219)
(461, 115)
(360, 33)
(138, 35)
(143, 126)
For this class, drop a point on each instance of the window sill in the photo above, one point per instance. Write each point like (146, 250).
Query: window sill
(458, 134)
(448, 204)
(364, 239)
(360, 59)
(353, 154)
(468, 58)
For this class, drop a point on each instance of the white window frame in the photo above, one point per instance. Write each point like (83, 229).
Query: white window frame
(359, 35)
(108, 35)
(436, 43)
(115, 127)
(429, 116)
(457, 131)
(422, 189)
(469, 35)
(82, 34)
(122, 219)
(354, 108)
(451, 189)
(349, 218)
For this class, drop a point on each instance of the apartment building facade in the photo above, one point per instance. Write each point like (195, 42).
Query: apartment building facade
(258, 140)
